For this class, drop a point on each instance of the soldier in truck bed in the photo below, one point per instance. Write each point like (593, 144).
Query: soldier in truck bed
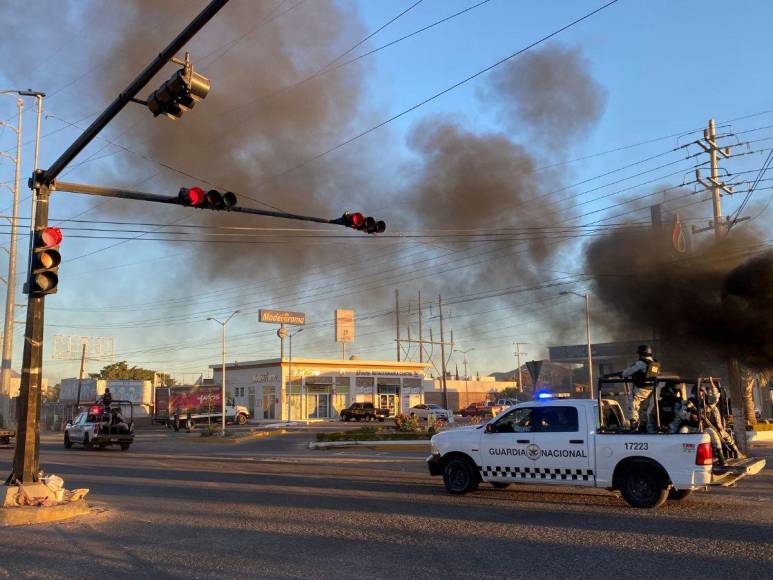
(696, 413)
(642, 373)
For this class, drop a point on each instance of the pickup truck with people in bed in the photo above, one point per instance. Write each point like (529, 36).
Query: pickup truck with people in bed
(576, 442)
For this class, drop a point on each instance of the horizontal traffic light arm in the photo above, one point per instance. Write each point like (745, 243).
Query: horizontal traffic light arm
(175, 200)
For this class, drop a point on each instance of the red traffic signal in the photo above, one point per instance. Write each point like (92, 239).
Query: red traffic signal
(192, 197)
(44, 277)
(353, 220)
(212, 199)
(357, 221)
(51, 237)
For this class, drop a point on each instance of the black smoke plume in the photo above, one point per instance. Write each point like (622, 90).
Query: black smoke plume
(704, 306)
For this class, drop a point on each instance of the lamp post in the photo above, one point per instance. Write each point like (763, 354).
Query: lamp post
(466, 376)
(222, 371)
(587, 333)
(290, 370)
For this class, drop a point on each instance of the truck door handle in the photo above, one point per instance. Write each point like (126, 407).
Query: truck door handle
(577, 441)
(523, 440)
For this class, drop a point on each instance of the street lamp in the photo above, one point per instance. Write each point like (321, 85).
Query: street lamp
(587, 331)
(466, 389)
(222, 371)
(290, 372)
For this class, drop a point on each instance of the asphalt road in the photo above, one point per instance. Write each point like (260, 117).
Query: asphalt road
(176, 507)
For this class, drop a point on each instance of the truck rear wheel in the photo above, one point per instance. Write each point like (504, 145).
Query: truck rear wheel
(67, 442)
(125, 446)
(86, 443)
(459, 476)
(642, 487)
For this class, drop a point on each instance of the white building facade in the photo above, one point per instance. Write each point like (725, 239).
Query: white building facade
(321, 388)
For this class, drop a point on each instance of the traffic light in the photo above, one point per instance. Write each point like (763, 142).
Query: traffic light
(179, 93)
(46, 258)
(212, 199)
(357, 221)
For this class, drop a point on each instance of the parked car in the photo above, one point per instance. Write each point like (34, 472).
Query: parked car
(488, 409)
(475, 410)
(424, 411)
(364, 412)
(507, 402)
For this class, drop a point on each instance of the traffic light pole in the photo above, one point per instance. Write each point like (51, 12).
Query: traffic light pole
(27, 454)
(175, 200)
(26, 457)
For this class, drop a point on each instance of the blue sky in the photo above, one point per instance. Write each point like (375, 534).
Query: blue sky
(667, 67)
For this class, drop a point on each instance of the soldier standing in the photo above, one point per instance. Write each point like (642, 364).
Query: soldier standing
(643, 374)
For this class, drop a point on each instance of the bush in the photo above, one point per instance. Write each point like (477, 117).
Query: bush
(382, 436)
(408, 424)
(210, 430)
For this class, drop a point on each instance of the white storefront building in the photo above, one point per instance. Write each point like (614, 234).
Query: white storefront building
(320, 388)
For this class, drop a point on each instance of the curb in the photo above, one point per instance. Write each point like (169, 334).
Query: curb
(411, 444)
(27, 515)
(235, 440)
(759, 436)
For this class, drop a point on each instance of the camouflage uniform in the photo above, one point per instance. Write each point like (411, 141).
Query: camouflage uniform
(688, 420)
(714, 418)
(642, 390)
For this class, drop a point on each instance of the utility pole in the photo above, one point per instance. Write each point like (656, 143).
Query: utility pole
(714, 184)
(5, 372)
(397, 321)
(80, 378)
(719, 225)
(442, 353)
(518, 354)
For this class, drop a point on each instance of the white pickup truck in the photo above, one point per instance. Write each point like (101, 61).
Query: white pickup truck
(558, 442)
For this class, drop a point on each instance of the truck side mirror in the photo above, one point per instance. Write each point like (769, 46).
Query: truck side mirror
(489, 428)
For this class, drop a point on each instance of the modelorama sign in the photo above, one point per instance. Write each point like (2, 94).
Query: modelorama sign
(281, 317)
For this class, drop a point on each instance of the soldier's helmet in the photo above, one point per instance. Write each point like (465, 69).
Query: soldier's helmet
(644, 350)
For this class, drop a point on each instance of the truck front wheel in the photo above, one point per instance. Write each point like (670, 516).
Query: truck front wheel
(642, 487)
(241, 419)
(459, 476)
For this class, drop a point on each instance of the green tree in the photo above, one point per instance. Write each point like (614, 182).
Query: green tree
(121, 370)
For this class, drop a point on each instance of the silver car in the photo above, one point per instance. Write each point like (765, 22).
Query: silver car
(424, 411)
